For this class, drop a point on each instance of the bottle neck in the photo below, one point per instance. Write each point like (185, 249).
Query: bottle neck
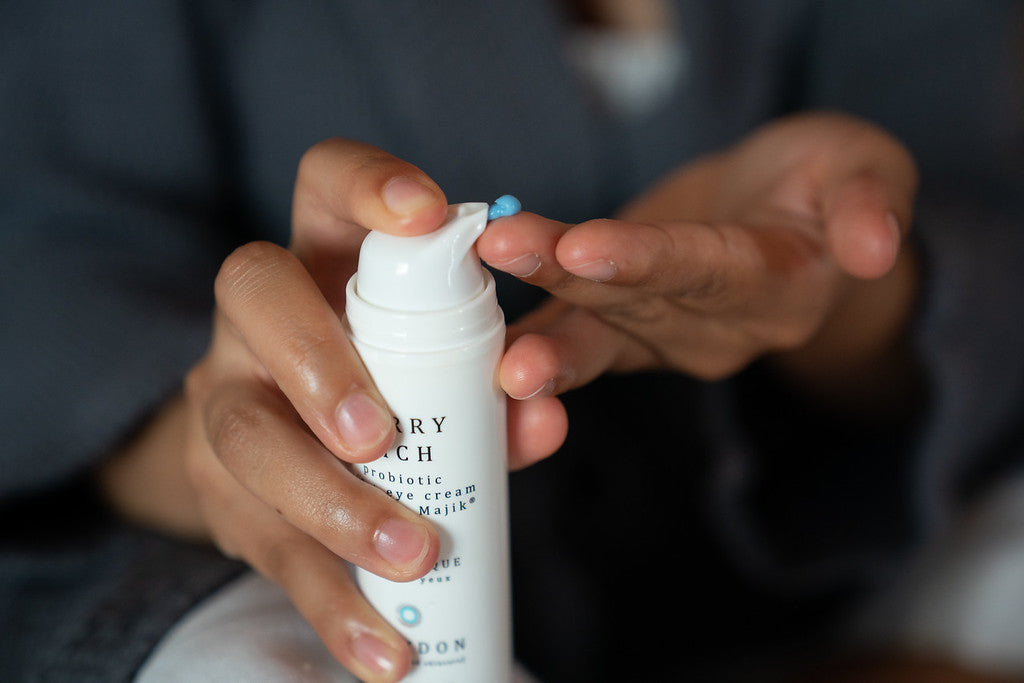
(424, 331)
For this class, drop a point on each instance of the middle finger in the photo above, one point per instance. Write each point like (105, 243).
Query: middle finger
(263, 444)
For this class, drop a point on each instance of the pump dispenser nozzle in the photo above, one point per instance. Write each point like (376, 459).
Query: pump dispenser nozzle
(426, 273)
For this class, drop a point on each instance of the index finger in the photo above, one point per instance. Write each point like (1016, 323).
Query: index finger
(604, 262)
(279, 312)
(344, 187)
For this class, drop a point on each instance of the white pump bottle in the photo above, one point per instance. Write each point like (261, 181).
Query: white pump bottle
(423, 315)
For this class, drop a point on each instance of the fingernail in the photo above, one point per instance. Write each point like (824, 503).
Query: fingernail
(521, 266)
(362, 422)
(897, 236)
(894, 225)
(545, 389)
(403, 195)
(401, 542)
(598, 271)
(373, 653)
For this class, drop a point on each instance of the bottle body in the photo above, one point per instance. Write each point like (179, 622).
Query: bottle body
(449, 464)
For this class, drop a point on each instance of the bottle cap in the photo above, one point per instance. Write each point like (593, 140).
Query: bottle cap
(429, 272)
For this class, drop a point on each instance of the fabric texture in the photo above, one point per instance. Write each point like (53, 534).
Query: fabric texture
(248, 631)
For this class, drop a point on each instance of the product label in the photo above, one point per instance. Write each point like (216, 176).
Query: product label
(447, 464)
(411, 472)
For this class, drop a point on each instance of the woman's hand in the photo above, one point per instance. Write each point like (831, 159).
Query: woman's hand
(788, 244)
(281, 405)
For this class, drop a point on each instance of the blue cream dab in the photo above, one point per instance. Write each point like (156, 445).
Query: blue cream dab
(505, 205)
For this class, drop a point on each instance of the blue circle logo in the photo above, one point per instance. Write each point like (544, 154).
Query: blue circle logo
(409, 615)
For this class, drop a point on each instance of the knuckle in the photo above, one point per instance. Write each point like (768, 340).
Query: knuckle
(649, 311)
(197, 382)
(716, 362)
(276, 559)
(199, 474)
(233, 427)
(793, 337)
(720, 367)
(305, 356)
(607, 225)
(790, 332)
(246, 270)
(224, 535)
(310, 164)
(340, 153)
(228, 548)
